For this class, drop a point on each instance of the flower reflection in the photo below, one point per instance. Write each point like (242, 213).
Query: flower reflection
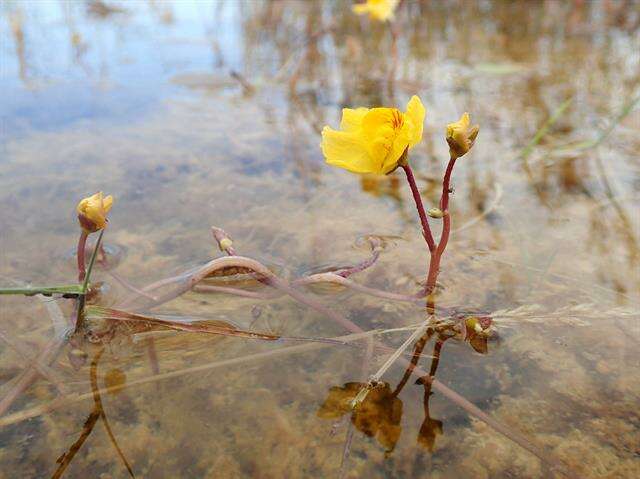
(377, 416)
(430, 429)
(477, 332)
(380, 412)
(381, 10)
(378, 185)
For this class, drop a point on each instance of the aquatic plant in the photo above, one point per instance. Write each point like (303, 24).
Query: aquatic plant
(375, 140)
(92, 216)
(378, 141)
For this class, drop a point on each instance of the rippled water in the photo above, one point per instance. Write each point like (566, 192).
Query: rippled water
(195, 114)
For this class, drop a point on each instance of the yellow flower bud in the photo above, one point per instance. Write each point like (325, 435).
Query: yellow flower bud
(374, 140)
(92, 212)
(461, 136)
(377, 9)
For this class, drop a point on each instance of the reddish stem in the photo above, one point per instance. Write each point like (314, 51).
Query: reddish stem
(432, 276)
(82, 243)
(426, 231)
(346, 272)
(436, 256)
(444, 199)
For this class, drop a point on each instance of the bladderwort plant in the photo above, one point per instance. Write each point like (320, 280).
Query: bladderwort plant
(378, 141)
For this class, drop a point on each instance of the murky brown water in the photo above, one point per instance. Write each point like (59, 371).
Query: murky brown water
(140, 101)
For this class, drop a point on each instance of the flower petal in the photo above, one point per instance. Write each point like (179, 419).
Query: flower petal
(107, 203)
(416, 113)
(345, 150)
(400, 143)
(352, 118)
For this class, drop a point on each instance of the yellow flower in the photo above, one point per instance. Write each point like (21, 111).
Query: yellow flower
(373, 140)
(461, 136)
(377, 9)
(92, 212)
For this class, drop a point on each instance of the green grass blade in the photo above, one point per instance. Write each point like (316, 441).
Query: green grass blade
(46, 290)
(544, 129)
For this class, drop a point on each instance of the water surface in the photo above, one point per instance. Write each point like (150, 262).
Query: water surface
(209, 113)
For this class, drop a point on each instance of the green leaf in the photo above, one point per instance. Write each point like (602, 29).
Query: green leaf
(46, 290)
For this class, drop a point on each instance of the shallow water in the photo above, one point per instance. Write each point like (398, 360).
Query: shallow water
(208, 113)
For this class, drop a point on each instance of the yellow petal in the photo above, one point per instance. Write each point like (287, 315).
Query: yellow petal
(465, 120)
(107, 203)
(416, 113)
(459, 126)
(92, 211)
(352, 118)
(380, 122)
(386, 131)
(346, 150)
(400, 143)
(460, 136)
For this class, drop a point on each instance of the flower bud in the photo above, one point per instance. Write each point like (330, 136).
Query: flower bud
(92, 212)
(461, 136)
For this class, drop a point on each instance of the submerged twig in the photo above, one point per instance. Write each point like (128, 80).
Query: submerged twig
(283, 351)
(44, 369)
(341, 280)
(47, 356)
(66, 458)
(195, 326)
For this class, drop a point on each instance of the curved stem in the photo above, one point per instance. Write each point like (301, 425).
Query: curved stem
(206, 288)
(436, 256)
(426, 231)
(444, 199)
(338, 279)
(346, 272)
